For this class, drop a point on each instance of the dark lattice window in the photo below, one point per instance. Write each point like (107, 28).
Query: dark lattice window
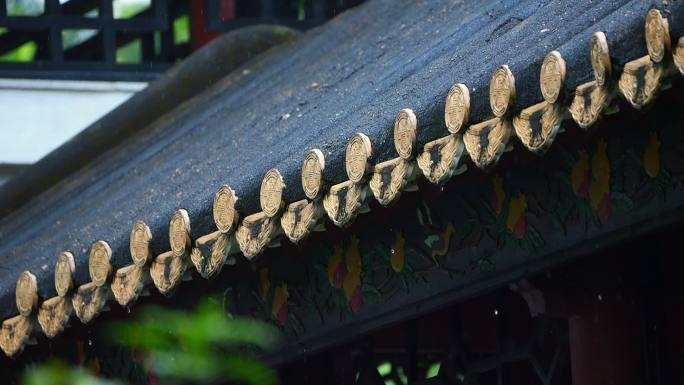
(98, 39)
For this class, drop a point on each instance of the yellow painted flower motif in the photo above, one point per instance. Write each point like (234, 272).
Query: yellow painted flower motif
(279, 309)
(336, 268)
(352, 281)
(516, 221)
(580, 175)
(398, 253)
(652, 156)
(599, 190)
(264, 283)
(600, 170)
(600, 165)
(499, 194)
(441, 248)
(353, 261)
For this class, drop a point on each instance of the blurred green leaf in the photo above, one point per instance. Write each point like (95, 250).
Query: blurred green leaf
(204, 345)
(163, 328)
(58, 373)
(209, 367)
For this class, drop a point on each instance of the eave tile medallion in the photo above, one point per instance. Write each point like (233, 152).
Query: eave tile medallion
(129, 281)
(214, 250)
(678, 55)
(537, 126)
(54, 313)
(257, 231)
(90, 299)
(304, 216)
(593, 98)
(16, 331)
(169, 268)
(393, 176)
(346, 200)
(485, 142)
(440, 158)
(641, 79)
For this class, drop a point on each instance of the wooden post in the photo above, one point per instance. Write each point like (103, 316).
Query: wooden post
(605, 344)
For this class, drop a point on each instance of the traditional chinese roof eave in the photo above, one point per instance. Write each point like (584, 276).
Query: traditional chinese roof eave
(377, 69)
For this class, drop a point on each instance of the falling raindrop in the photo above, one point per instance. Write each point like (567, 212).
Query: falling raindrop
(392, 251)
(90, 342)
(496, 312)
(600, 297)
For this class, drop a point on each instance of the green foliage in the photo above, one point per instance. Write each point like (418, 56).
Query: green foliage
(202, 346)
(433, 370)
(385, 368)
(74, 37)
(25, 7)
(128, 9)
(301, 10)
(58, 373)
(23, 53)
(390, 374)
(129, 53)
(181, 30)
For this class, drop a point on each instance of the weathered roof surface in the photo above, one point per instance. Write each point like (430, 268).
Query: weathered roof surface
(184, 80)
(351, 75)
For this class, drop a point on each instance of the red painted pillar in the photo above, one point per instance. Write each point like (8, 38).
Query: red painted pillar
(198, 23)
(605, 344)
